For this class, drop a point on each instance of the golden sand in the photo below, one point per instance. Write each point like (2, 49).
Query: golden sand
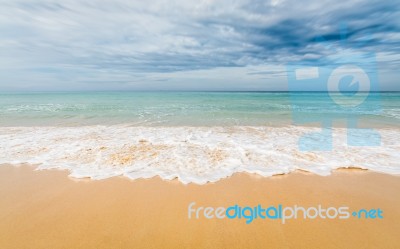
(46, 209)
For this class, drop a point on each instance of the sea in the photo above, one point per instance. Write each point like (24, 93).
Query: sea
(197, 137)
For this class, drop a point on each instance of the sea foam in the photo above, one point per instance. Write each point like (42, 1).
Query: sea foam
(189, 154)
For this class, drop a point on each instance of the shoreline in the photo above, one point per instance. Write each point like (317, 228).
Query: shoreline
(197, 155)
(349, 169)
(46, 209)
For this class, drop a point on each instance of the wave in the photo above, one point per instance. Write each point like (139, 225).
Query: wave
(190, 154)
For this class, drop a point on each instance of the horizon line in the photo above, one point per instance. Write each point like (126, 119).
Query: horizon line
(183, 91)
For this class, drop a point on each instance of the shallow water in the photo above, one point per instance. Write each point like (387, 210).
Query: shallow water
(190, 108)
(191, 154)
(196, 137)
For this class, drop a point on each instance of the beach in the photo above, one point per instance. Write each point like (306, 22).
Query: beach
(199, 124)
(123, 170)
(193, 154)
(198, 137)
(47, 209)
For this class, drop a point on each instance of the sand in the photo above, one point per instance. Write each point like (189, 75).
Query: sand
(47, 209)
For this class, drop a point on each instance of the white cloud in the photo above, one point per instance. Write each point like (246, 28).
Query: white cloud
(54, 44)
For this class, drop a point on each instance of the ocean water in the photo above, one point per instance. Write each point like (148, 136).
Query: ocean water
(193, 137)
(185, 108)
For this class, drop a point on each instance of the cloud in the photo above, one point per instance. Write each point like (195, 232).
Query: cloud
(118, 44)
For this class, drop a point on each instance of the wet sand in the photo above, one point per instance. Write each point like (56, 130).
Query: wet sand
(47, 209)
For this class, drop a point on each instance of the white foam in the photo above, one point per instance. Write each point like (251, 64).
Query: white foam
(190, 154)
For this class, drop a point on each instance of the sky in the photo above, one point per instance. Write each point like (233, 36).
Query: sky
(190, 45)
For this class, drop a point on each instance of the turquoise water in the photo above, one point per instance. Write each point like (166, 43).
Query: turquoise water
(185, 108)
(80, 132)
